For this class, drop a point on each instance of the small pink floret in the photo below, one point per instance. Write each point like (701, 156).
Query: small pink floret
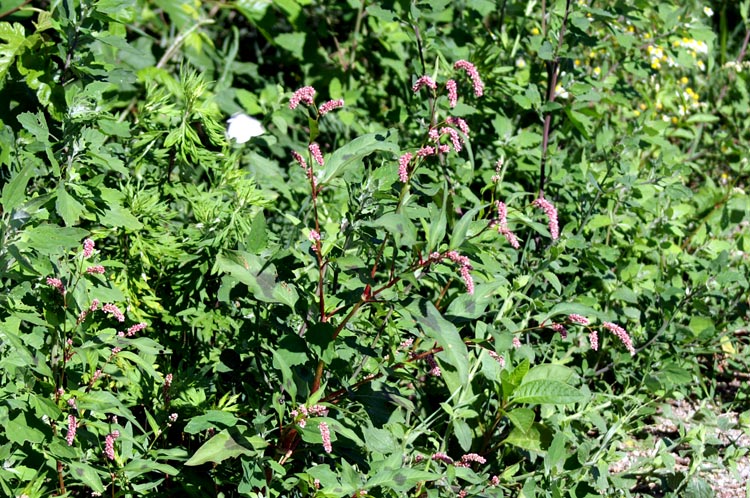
(450, 85)
(471, 70)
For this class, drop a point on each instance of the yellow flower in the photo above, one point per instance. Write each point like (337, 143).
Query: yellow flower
(636, 113)
(535, 31)
(684, 80)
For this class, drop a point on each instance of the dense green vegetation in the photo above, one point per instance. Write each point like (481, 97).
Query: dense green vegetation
(443, 248)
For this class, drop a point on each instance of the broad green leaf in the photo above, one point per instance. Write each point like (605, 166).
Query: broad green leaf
(292, 42)
(530, 440)
(36, 124)
(67, 206)
(521, 418)
(380, 440)
(229, 443)
(260, 278)
(14, 192)
(436, 229)
(399, 226)
(546, 392)
(14, 39)
(51, 239)
(401, 480)
(87, 475)
(463, 434)
(20, 430)
(446, 335)
(355, 151)
(462, 226)
(549, 371)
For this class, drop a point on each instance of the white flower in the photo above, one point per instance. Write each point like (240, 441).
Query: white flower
(242, 128)
(708, 11)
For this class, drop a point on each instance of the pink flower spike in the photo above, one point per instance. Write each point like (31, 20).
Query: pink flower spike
(424, 81)
(497, 358)
(473, 457)
(300, 160)
(426, 151)
(403, 167)
(109, 444)
(97, 269)
(113, 310)
(329, 106)
(560, 329)
(594, 340)
(325, 433)
(135, 329)
(516, 342)
(315, 151)
(468, 281)
(434, 367)
(442, 457)
(455, 139)
(460, 123)
(88, 248)
(621, 334)
(551, 212)
(72, 426)
(444, 148)
(578, 319)
(304, 95)
(471, 70)
(450, 85)
(57, 284)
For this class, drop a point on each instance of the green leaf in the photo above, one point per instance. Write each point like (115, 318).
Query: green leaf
(399, 226)
(14, 38)
(446, 335)
(260, 278)
(436, 230)
(212, 419)
(356, 150)
(36, 124)
(229, 443)
(51, 239)
(20, 431)
(522, 418)
(258, 238)
(87, 475)
(549, 371)
(462, 226)
(14, 192)
(547, 392)
(67, 206)
(292, 42)
(401, 480)
(530, 440)
(463, 434)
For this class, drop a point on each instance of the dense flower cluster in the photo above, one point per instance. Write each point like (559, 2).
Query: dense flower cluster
(424, 81)
(594, 340)
(450, 85)
(433, 366)
(498, 358)
(470, 458)
(325, 433)
(113, 310)
(316, 154)
(578, 319)
(403, 167)
(551, 212)
(621, 334)
(471, 70)
(442, 457)
(96, 269)
(560, 329)
(501, 223)
(109, 444)
(330, 105)
(88, 248)
(57, 284)
(72, 426)
(304, 95)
